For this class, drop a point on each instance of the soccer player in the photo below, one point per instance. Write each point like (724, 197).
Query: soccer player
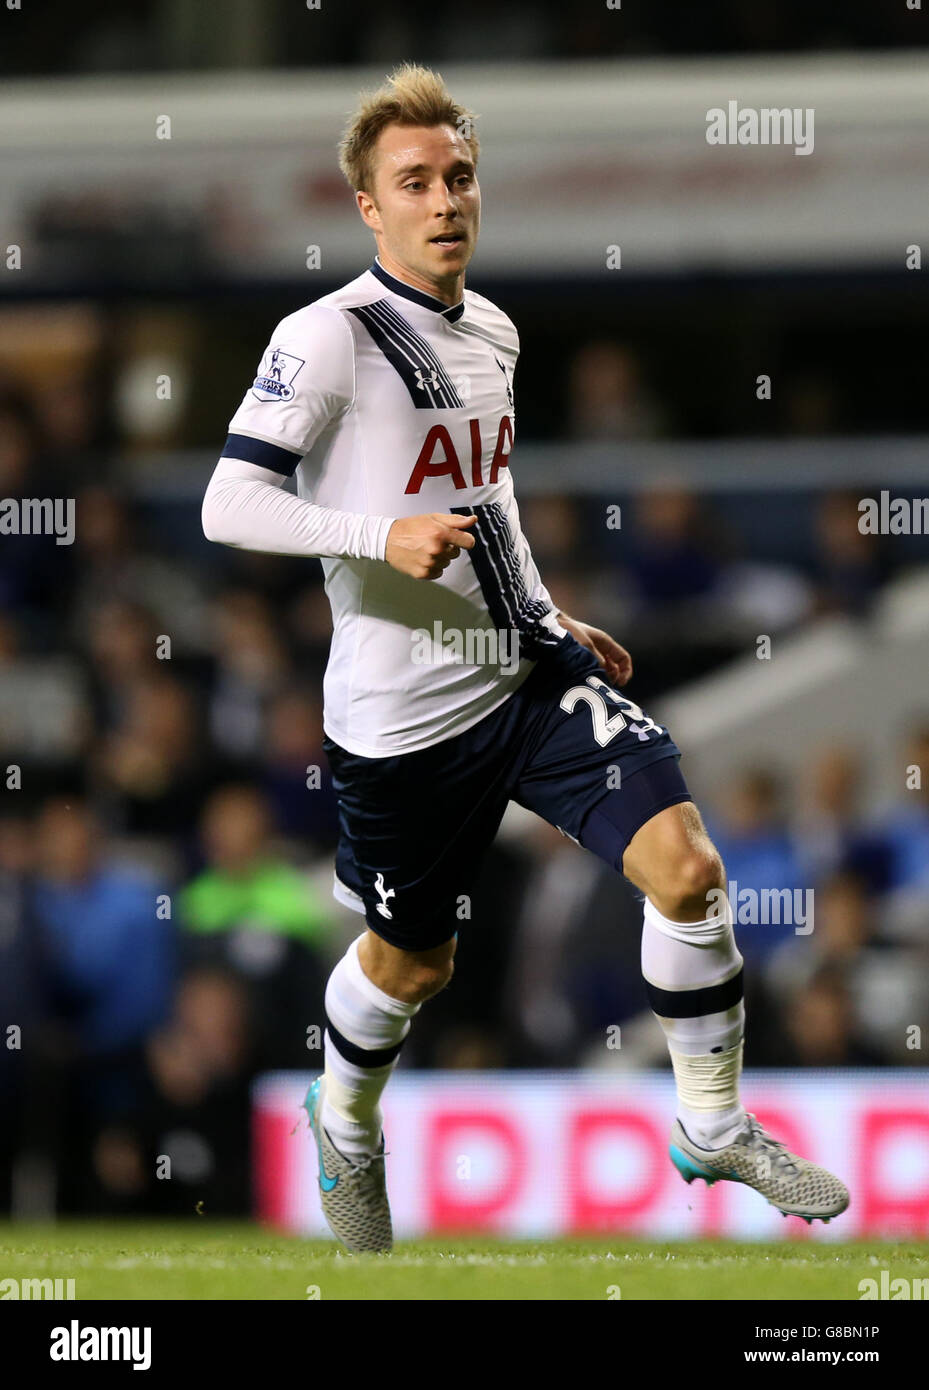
(391, 400)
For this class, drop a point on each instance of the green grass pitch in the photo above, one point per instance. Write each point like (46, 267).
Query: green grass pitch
(198, 1259)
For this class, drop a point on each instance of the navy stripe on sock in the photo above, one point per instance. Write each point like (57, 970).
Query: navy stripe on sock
(695, 1003)
(361, 1056)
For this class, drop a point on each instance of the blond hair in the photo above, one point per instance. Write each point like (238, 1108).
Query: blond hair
(412, 95)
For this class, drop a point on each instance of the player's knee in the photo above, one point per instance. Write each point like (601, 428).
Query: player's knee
(424, 979)
(695, 876)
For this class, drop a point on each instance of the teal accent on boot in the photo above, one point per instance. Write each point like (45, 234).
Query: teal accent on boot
(688, 1169)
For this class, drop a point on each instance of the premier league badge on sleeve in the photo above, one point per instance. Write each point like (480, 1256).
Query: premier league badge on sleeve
(275, 380)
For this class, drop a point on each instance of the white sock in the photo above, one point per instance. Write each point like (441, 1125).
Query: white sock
(679, 958)
(362, 1020)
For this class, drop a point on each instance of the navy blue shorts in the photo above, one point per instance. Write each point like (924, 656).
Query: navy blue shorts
(566, 744)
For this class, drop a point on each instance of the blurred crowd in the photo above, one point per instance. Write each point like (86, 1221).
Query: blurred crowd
(168, 820)
(153, 36)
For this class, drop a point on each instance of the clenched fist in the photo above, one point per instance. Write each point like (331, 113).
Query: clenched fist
(424, 546)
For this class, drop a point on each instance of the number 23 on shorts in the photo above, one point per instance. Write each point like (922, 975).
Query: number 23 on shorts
(595, 694)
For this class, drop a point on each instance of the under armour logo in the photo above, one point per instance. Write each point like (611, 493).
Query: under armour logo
(421, 384)
(642, 730)
(385, 894)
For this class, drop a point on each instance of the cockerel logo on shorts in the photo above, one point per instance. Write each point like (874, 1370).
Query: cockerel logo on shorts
(385, 894)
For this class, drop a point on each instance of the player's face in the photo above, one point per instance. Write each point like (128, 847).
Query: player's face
(425, 186)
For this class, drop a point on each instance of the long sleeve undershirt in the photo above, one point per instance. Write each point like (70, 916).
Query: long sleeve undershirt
(245, 506)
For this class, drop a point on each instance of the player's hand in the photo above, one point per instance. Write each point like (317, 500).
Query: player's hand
(615, 660)
(424, 546)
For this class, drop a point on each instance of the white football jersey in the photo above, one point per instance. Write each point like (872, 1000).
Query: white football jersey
(388, 403)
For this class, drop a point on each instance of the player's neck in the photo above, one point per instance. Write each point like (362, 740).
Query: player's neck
(450, 291)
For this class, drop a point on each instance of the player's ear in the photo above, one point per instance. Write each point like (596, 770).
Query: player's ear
(368, 209)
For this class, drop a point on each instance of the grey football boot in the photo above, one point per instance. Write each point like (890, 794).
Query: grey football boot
(793, 1185)
(353, 1192)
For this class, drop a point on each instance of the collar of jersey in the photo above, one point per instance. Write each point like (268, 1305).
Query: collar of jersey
(452, 312)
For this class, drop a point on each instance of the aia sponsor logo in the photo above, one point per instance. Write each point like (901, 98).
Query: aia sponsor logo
(438, 458)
